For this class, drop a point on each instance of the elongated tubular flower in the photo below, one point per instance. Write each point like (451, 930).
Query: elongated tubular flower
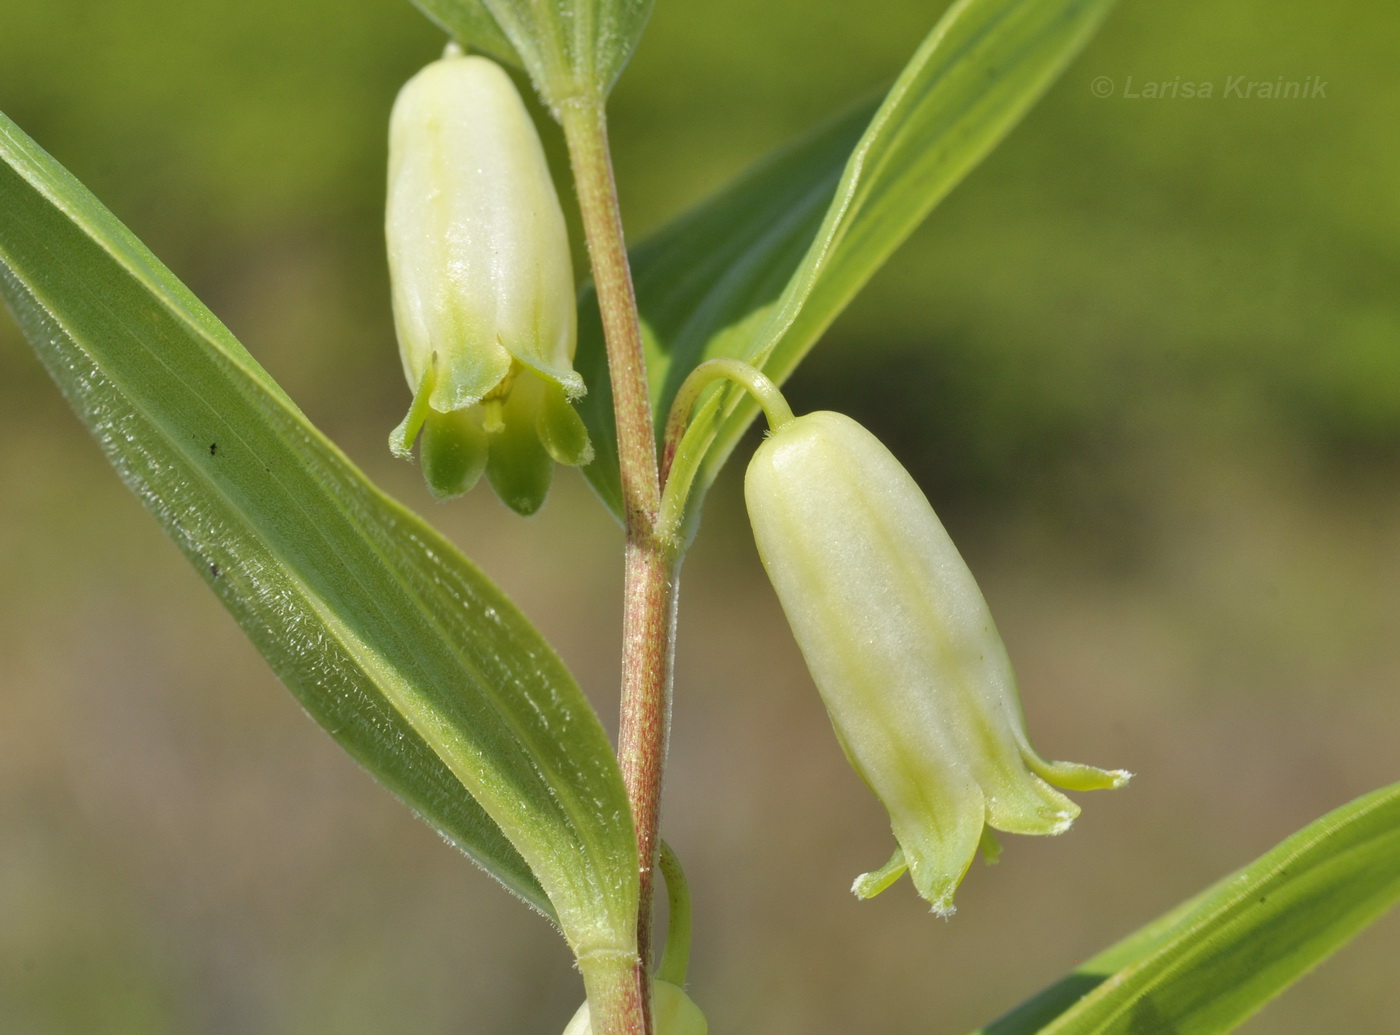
(482, 285)
(901, 645)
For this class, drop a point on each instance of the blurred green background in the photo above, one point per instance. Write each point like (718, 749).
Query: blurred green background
(1146, 361)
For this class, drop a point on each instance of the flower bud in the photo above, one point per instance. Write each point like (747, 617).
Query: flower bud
(902, 648)
(483, 286)
(672, 1013)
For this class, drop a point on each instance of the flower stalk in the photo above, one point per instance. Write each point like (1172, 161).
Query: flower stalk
(675, 957)
(684, 444)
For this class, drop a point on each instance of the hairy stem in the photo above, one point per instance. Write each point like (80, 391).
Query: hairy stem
(585, 130)
(616, 1001)
(648, 639)
(651, 567)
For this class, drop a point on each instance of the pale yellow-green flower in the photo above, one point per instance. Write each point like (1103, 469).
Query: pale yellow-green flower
(483, 286)
(901, 645)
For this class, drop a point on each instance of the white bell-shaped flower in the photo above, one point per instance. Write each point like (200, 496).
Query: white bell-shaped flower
(483, 287)
(902, 648)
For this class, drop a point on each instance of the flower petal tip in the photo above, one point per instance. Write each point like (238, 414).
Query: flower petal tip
(868, 885)
(399, 446)
(1062, 821)
(574, 388)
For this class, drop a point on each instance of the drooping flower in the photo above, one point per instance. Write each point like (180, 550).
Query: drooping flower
(483, 286)
(901, 645)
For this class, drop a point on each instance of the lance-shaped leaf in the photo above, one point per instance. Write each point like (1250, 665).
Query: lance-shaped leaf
(1207, 965)
(420, 667)
(574, 50)
(761, 270)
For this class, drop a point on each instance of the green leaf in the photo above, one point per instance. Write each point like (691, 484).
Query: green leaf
(471, 23)
(727, 258)
(420, 667)
(573, 49)
(1213, 961)
(760, 271)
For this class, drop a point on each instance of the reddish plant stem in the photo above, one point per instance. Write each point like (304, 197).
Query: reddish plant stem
(615, 998)
(651, 568)
(585, 130)
(648, 637)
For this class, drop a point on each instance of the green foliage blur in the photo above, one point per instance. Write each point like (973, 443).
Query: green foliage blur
(1120, 258)
(1146, 361)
